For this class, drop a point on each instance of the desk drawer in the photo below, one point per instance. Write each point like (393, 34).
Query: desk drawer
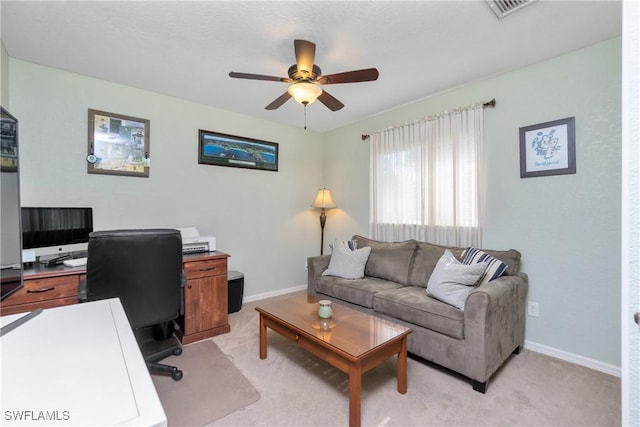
(50, 288)
(206, 268)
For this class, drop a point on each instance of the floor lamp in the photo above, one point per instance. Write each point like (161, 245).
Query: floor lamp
(323, 201)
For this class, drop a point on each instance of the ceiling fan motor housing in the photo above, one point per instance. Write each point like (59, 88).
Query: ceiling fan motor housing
(302, 75)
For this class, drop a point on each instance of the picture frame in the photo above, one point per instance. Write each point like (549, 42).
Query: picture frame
(548, 148)
(221, 149)
(118, 144)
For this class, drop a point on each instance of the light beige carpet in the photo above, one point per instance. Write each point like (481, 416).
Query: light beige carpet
(298, 389)
(212, 387)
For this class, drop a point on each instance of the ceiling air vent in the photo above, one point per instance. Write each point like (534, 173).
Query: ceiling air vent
(503, 8)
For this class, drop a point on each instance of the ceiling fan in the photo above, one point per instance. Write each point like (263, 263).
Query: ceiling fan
(306, 78)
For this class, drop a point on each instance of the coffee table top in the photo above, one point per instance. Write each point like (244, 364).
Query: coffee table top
(348, 330)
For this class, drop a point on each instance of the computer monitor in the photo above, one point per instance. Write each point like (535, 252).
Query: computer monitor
(56, 231)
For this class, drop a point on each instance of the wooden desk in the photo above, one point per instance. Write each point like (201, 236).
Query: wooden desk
(205, 296)
(78, 366)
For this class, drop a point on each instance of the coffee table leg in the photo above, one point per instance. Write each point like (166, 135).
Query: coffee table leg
(402, 367)
(355, 389)
(263, 338)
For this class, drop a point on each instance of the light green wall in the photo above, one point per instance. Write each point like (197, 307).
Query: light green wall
(262, 219)
(567, 227)
(4, 76)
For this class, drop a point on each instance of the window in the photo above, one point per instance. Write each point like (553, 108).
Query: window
(425, 180)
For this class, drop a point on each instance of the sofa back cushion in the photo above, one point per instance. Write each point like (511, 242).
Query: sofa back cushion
(427, 256)
(388, 260)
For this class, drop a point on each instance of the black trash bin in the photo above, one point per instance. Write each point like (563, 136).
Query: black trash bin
(236, 290)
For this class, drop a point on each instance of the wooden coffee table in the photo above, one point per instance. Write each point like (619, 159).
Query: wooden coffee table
(352, 341)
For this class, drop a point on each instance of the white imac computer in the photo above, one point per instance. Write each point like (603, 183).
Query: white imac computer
(56, 232)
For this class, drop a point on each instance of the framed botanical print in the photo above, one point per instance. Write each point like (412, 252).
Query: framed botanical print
(548, 148)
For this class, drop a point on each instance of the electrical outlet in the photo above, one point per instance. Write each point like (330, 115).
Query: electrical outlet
(306, 265)
(533, 309)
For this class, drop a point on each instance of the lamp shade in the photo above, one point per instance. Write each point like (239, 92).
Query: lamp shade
(324, 200)
(304, 93)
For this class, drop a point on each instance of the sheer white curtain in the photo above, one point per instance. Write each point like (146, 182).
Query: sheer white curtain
(425, 180)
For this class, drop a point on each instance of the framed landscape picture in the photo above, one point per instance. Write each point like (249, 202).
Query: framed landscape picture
(228, 150)
(118, 144)
(548, 148)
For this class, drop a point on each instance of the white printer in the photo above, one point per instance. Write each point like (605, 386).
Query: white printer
(193, 242)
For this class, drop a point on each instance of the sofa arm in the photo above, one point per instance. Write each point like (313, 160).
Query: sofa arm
(494, 319)
(315, 266)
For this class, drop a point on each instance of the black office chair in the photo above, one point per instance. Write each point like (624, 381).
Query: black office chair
(144, 269)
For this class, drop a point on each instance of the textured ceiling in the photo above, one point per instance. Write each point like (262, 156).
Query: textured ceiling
(186, 49)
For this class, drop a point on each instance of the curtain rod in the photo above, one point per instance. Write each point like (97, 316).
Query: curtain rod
(491, 104)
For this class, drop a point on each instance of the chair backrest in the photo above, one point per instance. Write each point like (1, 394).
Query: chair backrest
(141, 267)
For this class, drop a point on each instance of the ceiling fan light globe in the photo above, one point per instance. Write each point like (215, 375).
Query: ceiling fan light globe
(304, 93)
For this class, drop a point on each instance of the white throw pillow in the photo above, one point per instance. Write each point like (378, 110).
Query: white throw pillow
(451, 281)
(346, 263)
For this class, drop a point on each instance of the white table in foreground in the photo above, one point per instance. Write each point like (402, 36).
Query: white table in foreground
(77, 365)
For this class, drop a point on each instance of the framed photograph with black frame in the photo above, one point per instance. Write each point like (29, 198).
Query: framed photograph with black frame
(118, 144)
(228, 150)
(548, 148)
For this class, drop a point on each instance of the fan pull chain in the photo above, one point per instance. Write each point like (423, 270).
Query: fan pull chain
(305, 116)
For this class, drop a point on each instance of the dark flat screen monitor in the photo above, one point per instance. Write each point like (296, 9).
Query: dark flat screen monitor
(56, 230)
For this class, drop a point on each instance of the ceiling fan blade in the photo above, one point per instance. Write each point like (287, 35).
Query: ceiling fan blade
(366, 75)
(278, 101)
(305, 55)
(259, 77)
(329, 101)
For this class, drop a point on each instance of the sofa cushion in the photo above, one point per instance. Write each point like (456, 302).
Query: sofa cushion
(357, 291)
(413, 305)
(494, 268)
(347, 263)
(425, 260)
(427, 256)
(388, 260)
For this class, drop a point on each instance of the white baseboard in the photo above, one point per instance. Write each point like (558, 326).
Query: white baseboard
(274, 293)
(529, 345)
(573, 358)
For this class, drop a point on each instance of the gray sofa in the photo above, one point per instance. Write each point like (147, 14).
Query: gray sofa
(474, 342)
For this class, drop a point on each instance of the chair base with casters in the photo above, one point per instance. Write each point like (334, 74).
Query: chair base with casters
(150, 337)
(160, 368)
(156, 344)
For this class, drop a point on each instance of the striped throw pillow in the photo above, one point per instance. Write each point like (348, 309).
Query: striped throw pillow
(351, 244)
(495, 267)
